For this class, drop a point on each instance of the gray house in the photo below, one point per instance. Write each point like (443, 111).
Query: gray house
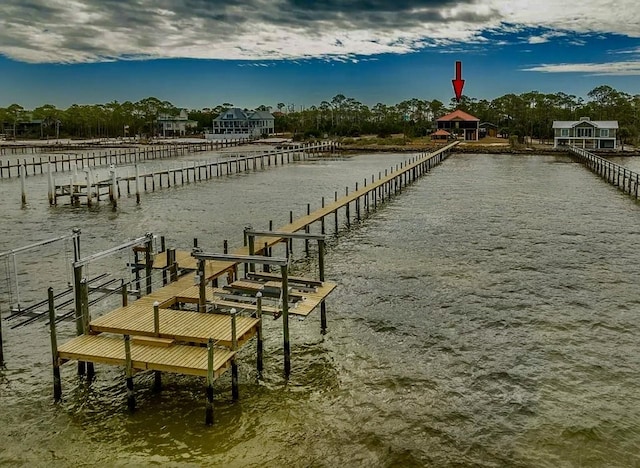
(237, 123)
(585, 133)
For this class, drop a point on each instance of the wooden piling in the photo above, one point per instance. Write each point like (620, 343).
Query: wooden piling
(209, 409)
(23, 175)
(235, 391)
(259, 335)
(57, 383)
(131, 397)
(202, 301)
(285, 320)
(137, 184)
(323, 307)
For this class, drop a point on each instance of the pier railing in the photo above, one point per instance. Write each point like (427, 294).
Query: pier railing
(129, 155)
(619, 176)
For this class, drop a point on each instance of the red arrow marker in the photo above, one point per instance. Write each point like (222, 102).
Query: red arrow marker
(458, 83)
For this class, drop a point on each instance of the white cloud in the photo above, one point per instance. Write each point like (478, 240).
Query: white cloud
(631, 67)
(67, 31)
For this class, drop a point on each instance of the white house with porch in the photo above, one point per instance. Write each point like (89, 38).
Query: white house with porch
(175, 125)
(238, 123)
(585, 133)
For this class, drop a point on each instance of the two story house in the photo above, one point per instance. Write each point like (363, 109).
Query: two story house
(175, 125)
(237, 123)
(585, 133)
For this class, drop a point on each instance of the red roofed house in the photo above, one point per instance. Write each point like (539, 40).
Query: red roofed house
(460, 123)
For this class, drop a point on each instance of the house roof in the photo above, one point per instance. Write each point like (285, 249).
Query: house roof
(488, 124)
(441, 132)
(261, 115)
(595, 123)
(458, 115)
(238, 114)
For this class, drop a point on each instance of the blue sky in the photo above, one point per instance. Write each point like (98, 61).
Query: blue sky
(201, 53)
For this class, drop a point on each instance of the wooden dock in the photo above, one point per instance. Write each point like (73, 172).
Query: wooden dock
(619, 176)
(90, 190)
(164, 331)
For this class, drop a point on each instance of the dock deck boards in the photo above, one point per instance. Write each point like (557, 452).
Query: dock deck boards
(179, 325)
(180, 359)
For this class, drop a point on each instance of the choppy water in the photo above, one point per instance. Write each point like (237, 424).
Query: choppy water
(486, 317)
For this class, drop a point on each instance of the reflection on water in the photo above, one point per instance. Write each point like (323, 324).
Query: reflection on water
(487, 316)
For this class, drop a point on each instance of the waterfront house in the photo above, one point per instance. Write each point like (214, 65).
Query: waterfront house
(460, 123)
(585, 133)
(440, 134)
(175, 125)
(238, 123)
(487, 129)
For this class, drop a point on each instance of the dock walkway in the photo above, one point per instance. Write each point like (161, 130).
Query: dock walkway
(176, 332)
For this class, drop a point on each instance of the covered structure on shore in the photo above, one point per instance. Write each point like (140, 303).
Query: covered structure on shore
(460, 123)
(440, 134)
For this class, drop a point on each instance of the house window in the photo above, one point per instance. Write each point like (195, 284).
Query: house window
(584, 132)
(604, 132)
(229, 116)
(564, 132)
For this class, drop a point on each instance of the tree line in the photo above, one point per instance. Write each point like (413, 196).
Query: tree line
(528, 114)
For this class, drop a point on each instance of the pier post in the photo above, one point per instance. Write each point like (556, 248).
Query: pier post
(173, 266)
(131, 397)
(323, 306)
(335, 214)
(306, 230)
(209, 410)
(51, 188)
(347, 208)
(86, 319)
(259, 336)
(77, 278)
(235, 391)
(137, 184)
(57, 383)
(322, 229)
(148, 260)
(202, 298)
(23, 175)
(125, 293)
(285, 320)
(157, 375)
(88, 181)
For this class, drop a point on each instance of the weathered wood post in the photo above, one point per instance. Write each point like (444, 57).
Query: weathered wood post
(323, 306)
(77, 287)
(125, 293)
(235, 391)
(209, 409)
(88, 182)
(157, 375)
(335, 214)
(57, 383)
(137, 184)
(50, 186)
(131, 397)
(148, 260)
(285, 320)
(173, 265)
(347, 208)
(322, 229)
(259, 335)
(23, 175)
(86, 319)
(306, 230)
(202, 298)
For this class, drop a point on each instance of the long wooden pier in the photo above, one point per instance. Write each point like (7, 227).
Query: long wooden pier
(68, 161)
(164, 331)
(90, 191)
(619, 176)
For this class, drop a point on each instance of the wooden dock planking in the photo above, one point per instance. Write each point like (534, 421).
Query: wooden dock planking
(179, 359)
(179, 325)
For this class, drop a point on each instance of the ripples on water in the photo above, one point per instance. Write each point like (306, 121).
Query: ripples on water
(487, 316)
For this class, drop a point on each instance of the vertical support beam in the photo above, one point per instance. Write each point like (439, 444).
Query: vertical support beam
(323, 307)
(322, 228)
(57, 383)
(202, 298)
(137, 184)
(285, 320)
(252, 250)
(157, 375)
(50, 186)
(23, 175)
(86, 318)
(209, 409)
(259, 336)
(77, 278)
(173, 266)
(235, 391)
(306, 229)
(148, 260)
(131, 397)
(125, 293)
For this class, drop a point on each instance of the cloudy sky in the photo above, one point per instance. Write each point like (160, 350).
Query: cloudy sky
(199, 53)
